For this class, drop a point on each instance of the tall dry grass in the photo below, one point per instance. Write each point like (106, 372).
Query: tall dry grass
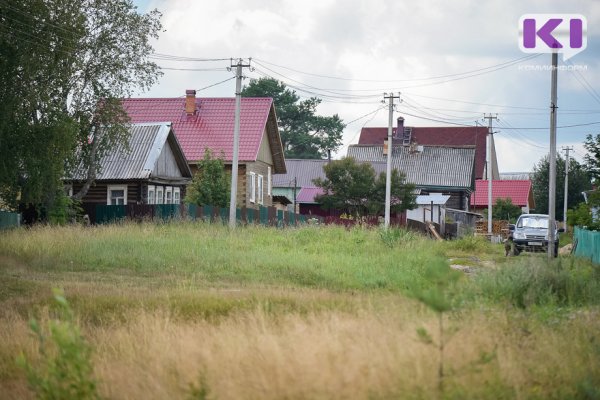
(304, 313)
(372, 353)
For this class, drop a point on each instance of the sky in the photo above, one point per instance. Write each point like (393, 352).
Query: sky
(450, 61)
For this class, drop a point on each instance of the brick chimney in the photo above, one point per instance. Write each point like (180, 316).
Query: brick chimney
(399, 128)
(190, 102)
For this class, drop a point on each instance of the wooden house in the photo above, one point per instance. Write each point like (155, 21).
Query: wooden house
(149, 169)
(443, 170)
(208, 123)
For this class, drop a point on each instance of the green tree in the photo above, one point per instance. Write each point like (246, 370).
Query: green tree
(64, 65)
(579, 181)
(504, 209)
(592, 158)
(354, 187)
(210, 185)
(303, 133)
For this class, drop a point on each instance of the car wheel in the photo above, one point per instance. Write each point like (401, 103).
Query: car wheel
(516, 251)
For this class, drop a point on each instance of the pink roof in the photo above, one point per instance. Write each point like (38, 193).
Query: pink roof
(520, 192)
(212, 125)
(438, 136)
(308, 194)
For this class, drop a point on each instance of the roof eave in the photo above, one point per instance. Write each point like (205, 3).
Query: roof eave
(275, 142)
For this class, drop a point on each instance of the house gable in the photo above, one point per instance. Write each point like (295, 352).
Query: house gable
(166, 164)
(264, 152)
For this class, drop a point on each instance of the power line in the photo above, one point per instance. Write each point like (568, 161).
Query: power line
(504, 64)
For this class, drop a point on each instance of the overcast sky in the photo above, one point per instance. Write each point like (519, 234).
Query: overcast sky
(350, 52)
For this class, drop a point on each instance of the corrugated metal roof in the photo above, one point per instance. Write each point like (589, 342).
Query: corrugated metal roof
(435, 166)
(437, 136)
(308, 194)
(145, 144)
(304, 171)
(519, 191)
(437, 199)
(212, 125)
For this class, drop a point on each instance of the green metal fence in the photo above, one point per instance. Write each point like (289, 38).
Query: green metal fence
(9, 220)
(587, 244)
(267, 216)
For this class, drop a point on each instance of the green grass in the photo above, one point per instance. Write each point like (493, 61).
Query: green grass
(332, 258)
(282, 298)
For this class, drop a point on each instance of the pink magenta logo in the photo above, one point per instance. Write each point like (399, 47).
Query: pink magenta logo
(553, 33)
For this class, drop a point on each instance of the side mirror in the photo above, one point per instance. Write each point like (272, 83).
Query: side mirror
(511, 227)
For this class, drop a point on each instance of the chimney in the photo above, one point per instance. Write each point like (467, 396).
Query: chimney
(400, 128)
(190, 102)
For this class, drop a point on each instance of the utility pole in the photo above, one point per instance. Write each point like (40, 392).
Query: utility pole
(552, 177)
(236, 140)
(388, 174)
(566, 149)
(490, 174)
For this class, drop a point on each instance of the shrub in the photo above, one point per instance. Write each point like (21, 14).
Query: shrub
(537, 283)
(65, 370)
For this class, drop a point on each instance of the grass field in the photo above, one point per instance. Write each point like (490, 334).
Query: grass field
(192, 310)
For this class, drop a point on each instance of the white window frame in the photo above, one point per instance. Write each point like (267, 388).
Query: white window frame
(252, 187)
(269, 181)
(176, 195)
(160, 199)
(259, 189)
(169, 195)
(68, 189)
(109, 190)
(151, 189)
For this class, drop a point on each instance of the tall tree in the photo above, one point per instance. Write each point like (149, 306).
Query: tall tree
(579, 181)
(354, 187)
(64, 65)
(303, 133)
(210, 185)
(592, 158)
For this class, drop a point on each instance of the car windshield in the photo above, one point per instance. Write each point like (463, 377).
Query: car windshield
(533, 222)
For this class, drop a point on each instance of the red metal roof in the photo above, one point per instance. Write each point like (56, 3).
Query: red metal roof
(520, 192)
(212, 125)
(308, 194)
(438, 136)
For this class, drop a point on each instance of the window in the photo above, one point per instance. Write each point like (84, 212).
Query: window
(252, 187)
(176, 195)
(168, 195)
(151, 194)
(116, 195)
(69, 189)
(159, 195)
(260, 189)
(269, 181)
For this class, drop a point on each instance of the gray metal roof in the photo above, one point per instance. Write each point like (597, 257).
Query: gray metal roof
(434, 166)
(146, 142)
(303, 170)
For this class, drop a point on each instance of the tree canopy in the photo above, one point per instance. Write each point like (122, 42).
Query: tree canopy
(579, 181)
(304, 134)
(354, 187)
(210, 185)
(64, 65)
(504, 209)
(592, 158)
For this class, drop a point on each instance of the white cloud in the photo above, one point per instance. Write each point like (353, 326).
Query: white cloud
(387, 40)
